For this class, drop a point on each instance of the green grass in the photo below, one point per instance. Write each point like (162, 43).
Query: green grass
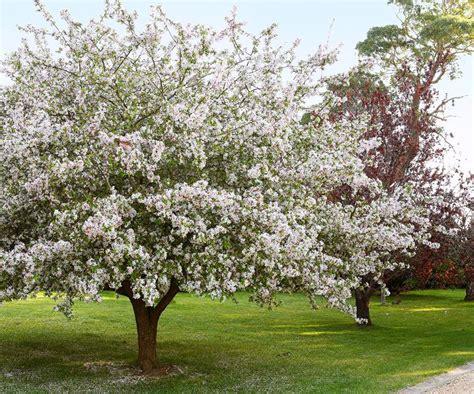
(229, 347)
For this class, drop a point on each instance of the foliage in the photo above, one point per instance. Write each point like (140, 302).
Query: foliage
(428, 28)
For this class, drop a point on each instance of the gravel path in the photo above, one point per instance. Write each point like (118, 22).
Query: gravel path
(457, 381)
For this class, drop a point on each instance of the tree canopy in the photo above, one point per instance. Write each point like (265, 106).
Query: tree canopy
(174, 159)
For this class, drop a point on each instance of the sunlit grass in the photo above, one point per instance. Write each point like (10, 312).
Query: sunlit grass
(434, 309)
(235, 347)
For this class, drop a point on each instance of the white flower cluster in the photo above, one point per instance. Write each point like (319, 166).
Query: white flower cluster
(178, 153)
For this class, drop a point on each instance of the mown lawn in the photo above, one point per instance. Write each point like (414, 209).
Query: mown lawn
(229, 347)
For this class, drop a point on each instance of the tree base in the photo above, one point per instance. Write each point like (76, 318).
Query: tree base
(164, 370)
(397, 300)
(146, 318)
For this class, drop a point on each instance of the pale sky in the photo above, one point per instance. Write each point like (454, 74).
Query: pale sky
(308, 20)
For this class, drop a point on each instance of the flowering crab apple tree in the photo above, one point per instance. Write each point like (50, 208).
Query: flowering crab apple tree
(174, 159)
(376, 232)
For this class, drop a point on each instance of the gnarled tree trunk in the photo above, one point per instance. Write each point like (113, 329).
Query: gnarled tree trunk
(146, 318)
(362, 297)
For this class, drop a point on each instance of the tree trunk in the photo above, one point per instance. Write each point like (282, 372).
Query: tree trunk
(362, 297)
(469, 275)
(469, 291)
(397, 299)
(383, 300)
(146, 318)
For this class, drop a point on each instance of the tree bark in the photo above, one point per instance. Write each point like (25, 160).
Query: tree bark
(362, 297)
(146, 318)
(469, 291)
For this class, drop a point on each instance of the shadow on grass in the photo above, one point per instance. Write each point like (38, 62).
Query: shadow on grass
(254, 350)
(448, 296)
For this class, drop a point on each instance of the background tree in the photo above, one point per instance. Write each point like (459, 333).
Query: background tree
(395, 84)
